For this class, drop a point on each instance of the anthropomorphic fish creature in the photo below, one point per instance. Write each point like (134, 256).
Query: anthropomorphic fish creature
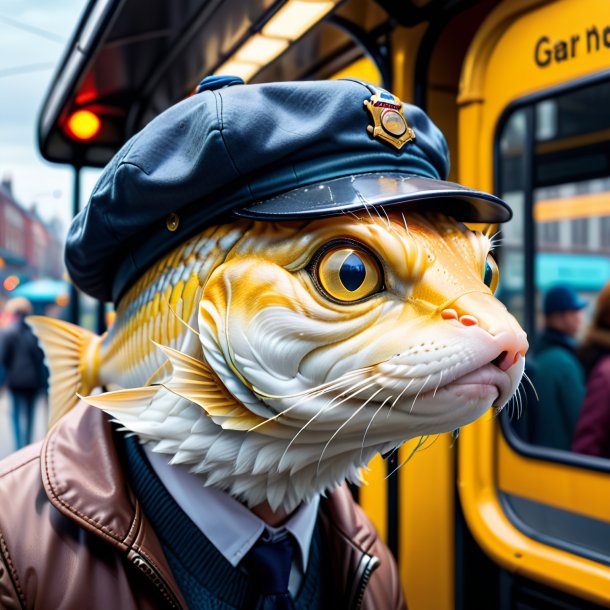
(278, 358)
(296, 291)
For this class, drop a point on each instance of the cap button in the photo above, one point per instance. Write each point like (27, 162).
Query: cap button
(211, 83)
(172, 221)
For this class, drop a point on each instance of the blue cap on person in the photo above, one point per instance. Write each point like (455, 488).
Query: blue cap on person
(267, 152)
(562, 298)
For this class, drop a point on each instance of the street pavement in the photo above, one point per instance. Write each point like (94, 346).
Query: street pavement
(7, 445)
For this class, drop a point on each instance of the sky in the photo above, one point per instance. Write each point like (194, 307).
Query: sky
(33, 36)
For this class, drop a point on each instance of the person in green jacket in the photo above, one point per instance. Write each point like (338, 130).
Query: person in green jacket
(559, 376)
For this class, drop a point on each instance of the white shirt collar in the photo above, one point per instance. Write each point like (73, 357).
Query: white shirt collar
(229, 525)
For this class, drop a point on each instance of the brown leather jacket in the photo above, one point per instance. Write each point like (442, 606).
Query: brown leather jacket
(73, 535)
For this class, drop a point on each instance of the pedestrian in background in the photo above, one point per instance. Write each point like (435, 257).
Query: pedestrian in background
(592, 434)
(25, 373)
(559, 379)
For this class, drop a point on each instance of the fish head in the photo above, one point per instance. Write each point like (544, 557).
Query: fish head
(350, 335)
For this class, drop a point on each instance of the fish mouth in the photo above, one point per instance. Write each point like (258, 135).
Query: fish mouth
(487, 381)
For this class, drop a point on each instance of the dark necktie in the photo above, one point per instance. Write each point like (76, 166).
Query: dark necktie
(269, 564)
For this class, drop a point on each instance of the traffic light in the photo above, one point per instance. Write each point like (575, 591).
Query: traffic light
(83, 125)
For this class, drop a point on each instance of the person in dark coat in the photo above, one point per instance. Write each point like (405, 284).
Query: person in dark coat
(25, 378)
(559, 379)
(592, 434)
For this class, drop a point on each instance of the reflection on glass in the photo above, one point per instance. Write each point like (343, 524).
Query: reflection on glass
(566, 191)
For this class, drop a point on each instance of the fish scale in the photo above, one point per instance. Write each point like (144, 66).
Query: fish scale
(150, 312)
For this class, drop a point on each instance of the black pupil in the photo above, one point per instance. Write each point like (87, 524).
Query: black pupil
(488, 275)
(352, 272)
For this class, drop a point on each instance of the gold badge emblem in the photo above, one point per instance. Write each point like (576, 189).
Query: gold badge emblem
(389, 120)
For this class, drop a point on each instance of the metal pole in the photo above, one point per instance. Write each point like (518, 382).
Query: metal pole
(74, 296)
(101, 317)
(529, 185)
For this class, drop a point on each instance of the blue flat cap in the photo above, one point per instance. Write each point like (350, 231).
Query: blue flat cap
(274, 151)
(562, 298)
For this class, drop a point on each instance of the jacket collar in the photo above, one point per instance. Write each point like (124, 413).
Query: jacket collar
(84, 479)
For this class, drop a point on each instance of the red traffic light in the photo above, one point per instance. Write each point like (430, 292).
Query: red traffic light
(83, 125)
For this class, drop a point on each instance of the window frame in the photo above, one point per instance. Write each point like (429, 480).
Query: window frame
(527, 103)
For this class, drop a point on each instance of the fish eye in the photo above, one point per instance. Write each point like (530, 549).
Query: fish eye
(491, 273)
(347, 273)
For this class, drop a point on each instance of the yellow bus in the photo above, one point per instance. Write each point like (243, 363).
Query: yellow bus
(492, 519)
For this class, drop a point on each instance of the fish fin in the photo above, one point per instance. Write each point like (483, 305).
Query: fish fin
(195, 380)
(129, 400)
(162, 374)
(72, 357)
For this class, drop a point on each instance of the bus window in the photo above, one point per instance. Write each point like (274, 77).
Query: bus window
(554, 170)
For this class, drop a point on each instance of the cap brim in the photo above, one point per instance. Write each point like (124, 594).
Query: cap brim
(357, 192)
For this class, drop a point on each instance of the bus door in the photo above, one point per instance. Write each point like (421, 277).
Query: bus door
(534, 127)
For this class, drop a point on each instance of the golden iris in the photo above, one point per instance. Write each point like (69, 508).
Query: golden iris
(491, 273)
(348, 274)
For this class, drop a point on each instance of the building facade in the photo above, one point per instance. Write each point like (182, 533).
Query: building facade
(30, 248)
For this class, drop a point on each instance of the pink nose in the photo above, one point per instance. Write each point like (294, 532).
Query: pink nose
(452, 314)
(505, 360)
(513, 345)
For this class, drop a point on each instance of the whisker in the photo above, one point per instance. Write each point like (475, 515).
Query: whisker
(511, 405)
(388, 456)
(370, 423)
(376, 209)
(366, 207)
(400, 396)
(423, 385)
(387, 217)
(422, 439)
(343, 426)
(347, 375)
(436, 437)
(324, 409)
(321, 390)
(514, 405)
(532, 385)
(497, 410)
(405, 221)
(440, 377)
(313, 393)
(355, 216)
(363, 381)
(523, 396)
(519, 401)
(515, 410)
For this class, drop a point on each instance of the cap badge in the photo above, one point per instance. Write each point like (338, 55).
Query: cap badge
(389, 119)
